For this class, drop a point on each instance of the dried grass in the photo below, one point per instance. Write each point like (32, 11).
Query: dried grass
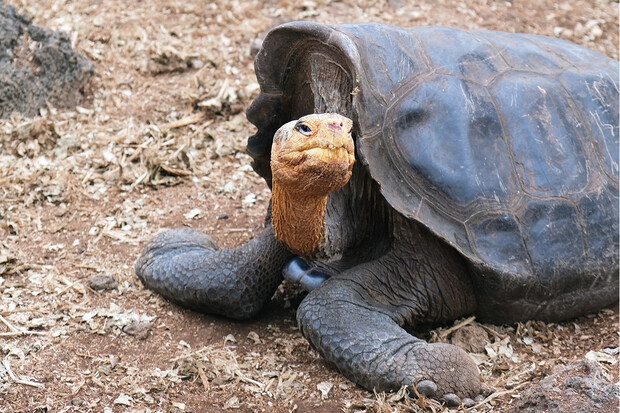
(161, 143)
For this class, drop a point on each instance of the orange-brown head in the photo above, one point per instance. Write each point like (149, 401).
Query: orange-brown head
(314, 154)
(310, 158)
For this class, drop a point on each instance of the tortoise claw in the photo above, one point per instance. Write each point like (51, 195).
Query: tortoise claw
(467, 402)
(452, 400)
(426, 388)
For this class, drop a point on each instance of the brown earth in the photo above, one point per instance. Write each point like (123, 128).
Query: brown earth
(160, 144)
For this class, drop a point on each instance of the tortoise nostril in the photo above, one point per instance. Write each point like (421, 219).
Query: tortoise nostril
(335, 126)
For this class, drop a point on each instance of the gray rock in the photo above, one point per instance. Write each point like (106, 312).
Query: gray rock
(37, 66)
(580, 387)
(138, 329)
(100, 282)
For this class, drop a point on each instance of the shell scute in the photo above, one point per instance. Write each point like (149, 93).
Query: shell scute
(546, 133)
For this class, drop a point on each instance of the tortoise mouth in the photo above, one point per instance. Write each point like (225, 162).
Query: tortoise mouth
(326, 153)
(318, 164)
(329, 154)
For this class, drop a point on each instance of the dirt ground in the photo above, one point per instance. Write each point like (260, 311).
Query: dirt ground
(160, 144)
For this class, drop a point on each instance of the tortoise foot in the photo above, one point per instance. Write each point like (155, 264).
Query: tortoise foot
(449, 374)
(371, 350)
(186, 267)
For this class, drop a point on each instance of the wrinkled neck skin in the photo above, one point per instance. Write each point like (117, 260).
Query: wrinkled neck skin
(298, 219)
(349, 226)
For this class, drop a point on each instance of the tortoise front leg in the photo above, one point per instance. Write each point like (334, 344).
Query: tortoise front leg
(186, 267)
(354, 320)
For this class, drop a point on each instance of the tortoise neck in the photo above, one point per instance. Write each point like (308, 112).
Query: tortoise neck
(298, 219)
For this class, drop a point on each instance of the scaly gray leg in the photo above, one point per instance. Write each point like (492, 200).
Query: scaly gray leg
(186, 267)
(354, 320)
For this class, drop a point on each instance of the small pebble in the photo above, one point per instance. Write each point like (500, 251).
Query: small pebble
(255, 46)
(100, 282)
(467, 402)
(60, 211)
(138, 329)
(197, 63)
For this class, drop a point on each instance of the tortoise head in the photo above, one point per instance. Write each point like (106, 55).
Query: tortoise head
(314, 155)
(310, 158)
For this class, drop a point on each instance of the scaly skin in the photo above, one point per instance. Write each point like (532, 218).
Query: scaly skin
(186, 267)
(355, 319)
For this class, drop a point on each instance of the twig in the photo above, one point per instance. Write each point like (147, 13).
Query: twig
(84, 355)
(493, 332)
(103, 230)
(246, 379)
(188, 120)
(68, 286)
(9, 325)
(16, 379)
(139, 180)
(87, 267)
(498, 394)
(222, 91)
(16, 310)
(126, 161)
(23, 333)
(446, 333)
(269, 384)
(15, 332)
(116, 236)
(184, 356)
(203, 379)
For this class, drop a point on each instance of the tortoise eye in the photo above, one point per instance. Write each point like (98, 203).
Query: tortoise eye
(303, 128)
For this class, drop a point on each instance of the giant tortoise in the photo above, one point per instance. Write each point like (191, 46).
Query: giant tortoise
(418, 175)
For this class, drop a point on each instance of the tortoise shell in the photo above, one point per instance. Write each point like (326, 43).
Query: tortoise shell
(504, 145)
